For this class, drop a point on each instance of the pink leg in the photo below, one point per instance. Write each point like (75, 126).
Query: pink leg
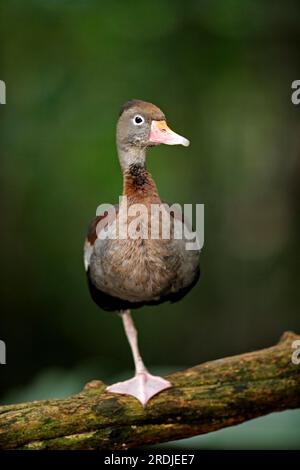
(143, 385)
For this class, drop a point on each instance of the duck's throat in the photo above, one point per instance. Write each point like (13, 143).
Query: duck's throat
(138, 183)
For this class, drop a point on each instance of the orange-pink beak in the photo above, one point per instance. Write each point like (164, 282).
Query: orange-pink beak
(160, 133)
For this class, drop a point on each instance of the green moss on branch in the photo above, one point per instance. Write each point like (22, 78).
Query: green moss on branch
(204, 398)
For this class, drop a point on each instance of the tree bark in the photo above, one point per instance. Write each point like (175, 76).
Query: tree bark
(204, 398)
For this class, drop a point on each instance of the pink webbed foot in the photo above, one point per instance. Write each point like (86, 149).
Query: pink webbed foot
(142, 386)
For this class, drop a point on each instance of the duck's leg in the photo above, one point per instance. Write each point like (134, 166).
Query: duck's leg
(143, 385)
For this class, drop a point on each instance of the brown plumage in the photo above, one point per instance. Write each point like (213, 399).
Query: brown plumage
(129, 273)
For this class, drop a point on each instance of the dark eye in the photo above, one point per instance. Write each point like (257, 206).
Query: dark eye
(138, 120)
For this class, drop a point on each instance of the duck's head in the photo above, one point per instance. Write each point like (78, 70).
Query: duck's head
(142, 125)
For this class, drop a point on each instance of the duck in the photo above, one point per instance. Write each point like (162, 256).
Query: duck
(125, 273)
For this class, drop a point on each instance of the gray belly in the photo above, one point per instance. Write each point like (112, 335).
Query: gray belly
(142, 270)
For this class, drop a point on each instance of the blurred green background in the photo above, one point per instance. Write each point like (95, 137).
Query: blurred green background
(222, 73)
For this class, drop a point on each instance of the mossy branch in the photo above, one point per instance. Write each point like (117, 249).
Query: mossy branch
(204, 398)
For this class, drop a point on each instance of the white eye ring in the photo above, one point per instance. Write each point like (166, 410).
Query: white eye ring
(138, 120)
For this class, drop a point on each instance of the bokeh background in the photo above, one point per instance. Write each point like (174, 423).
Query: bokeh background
(222, 73)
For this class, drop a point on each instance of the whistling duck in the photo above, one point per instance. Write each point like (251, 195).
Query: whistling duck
(126, 273)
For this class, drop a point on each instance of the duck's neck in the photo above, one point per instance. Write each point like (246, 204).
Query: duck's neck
(138, 183)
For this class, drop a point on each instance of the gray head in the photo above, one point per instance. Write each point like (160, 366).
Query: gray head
(142, 125)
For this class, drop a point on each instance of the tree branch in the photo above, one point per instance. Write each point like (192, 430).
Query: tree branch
(204, 398)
